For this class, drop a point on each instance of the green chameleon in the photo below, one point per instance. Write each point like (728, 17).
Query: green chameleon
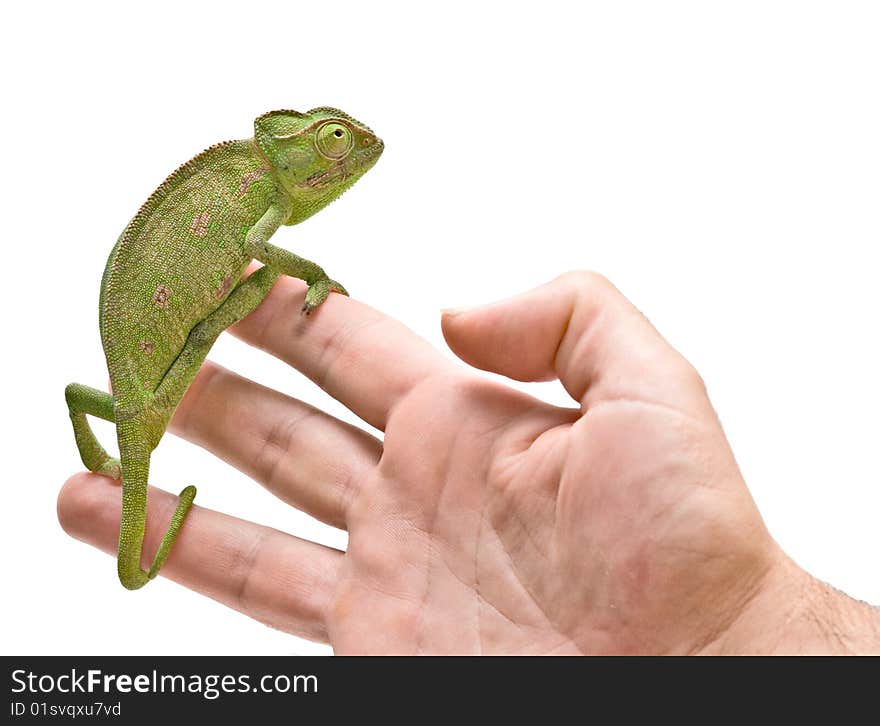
(173, 283)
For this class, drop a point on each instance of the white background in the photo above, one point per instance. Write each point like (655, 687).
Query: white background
(719, 161)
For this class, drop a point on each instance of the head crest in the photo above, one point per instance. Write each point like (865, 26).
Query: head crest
(275, 126)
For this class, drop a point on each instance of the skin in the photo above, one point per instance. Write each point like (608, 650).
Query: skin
(487, 521)
(173, 283)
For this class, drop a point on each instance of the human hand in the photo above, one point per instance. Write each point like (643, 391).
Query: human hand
(486, 521)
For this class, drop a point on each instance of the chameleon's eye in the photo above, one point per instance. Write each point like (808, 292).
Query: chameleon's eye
(334, 140)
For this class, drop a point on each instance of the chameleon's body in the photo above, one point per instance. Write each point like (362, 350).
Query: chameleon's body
(173, 283)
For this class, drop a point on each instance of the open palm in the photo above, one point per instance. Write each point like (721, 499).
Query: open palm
(485, 520)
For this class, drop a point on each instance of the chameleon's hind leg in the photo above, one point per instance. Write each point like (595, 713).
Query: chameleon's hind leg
(134, 442)
(135, 449)
(243, 300)
(82, 401)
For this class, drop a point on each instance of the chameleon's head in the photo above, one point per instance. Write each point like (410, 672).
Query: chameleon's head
(316, 155)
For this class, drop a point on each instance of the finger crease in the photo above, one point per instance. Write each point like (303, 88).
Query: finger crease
(336, 347)
(276, 444)
(245, 563)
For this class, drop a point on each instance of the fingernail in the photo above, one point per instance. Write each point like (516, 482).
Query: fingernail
(453, 311)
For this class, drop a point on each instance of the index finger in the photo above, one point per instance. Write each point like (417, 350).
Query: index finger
(361, 357)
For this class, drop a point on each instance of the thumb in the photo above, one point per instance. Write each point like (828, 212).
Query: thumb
(580, 329)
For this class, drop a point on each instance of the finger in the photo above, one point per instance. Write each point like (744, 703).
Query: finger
(581, 329)
(361, 357)
(304, 456)
(271, 576)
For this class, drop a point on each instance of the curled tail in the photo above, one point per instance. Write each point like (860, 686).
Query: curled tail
(135, 455)
(134, 469)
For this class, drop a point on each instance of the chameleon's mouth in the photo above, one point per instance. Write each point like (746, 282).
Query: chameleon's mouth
(354, 165)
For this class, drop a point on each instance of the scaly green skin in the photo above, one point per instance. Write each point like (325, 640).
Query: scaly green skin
(173, 283)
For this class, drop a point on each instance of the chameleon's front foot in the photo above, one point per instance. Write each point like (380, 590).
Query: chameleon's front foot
(318, 293)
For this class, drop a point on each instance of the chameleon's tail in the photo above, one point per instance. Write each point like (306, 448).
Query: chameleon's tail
(135, 455)
(134, 469)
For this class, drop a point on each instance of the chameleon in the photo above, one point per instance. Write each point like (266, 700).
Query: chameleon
(175, 280)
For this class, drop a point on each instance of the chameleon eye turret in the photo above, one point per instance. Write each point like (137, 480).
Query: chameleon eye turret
(173, 283)
(334, 140)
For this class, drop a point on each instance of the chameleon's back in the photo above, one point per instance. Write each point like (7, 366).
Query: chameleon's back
(177, 261)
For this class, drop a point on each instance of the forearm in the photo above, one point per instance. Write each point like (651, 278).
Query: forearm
(794, 613)
(284, 262)
(287, 263)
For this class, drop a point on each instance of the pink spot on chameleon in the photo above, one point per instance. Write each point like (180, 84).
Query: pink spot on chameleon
(161, 296)
(147, 346)
(199, 226)
(221, 291)
(249, 179)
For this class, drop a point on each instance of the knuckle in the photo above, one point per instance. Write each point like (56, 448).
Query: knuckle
(691, 373)
(586, 279)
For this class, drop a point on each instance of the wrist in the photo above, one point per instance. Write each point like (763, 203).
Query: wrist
(794, 613)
